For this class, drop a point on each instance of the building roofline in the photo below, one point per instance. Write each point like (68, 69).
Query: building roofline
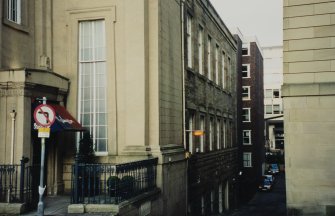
(212, 11)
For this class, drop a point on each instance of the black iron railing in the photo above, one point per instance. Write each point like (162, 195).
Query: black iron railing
(16, 183)
(111, 184)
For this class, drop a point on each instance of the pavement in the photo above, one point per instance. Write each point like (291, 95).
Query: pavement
(53, 205)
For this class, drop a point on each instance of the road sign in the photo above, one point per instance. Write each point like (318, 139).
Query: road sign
(44, 115)
(44, 132)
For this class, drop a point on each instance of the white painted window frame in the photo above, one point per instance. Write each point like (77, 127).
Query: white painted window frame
(190, 132)
(93, 113)
(189, 22)
(14, 12)
(247, 159)
(249, 116)
(201, 49)
(202, 138)
(209, 57)
(216, 56)
(247, 71)
(248, 95)
(249, 137)
(223, 74)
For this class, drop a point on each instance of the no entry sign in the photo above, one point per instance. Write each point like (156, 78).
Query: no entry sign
(44, 115)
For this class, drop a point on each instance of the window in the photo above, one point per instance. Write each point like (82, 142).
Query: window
(268, 109)
(246, 115)
(190, 129)
(246, 137)
(247, 159)
(223, 70)
(201, 50)
(189, 40)
(202, 205)
(220, 199)
(218, 134)
(245, 51)
(211, 134)
(14, 11)
(217, 64)
(209, 60)
(92, 81)
(245, 92)
(268, 93)
(231, 138)
(229, 75)
(212, 200)
(246, 71)
(202, 127)
(276, 109)
(224, 129)
(276, 93)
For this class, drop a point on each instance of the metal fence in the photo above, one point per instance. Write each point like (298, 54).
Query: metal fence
(16, 183)
(111, 184)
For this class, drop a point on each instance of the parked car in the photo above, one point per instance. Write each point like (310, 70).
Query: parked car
(265, 185)
(270, 177)
(273, 169)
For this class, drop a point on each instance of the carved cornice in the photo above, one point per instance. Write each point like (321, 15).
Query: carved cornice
(11, 89)
(12, 92)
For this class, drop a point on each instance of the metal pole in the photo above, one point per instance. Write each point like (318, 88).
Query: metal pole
(12, 115)
(41, 189)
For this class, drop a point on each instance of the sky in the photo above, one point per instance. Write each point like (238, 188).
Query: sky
(260, 18)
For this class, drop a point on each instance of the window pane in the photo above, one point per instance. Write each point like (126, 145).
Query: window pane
(244, 51)
(92, 81)
(268, 93)
(245, 92)
(246, 115)
(275, 93)
(268, 109)
(276, 109)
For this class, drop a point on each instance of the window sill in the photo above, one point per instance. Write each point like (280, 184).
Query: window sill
(99, 154)
(16, 26)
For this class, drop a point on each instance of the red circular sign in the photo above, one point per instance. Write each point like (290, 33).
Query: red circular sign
(44, 115)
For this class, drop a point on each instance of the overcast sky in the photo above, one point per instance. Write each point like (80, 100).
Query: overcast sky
(260, 18)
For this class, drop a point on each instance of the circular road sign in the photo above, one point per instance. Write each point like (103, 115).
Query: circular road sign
(44, 115)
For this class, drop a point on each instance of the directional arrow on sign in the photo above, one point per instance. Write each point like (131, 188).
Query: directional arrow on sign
(44, 115)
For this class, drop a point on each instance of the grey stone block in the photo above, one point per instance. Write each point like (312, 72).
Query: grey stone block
(76, 209)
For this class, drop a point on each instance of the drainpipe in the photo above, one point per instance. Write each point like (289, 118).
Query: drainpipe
(12, 115)
(183, 96)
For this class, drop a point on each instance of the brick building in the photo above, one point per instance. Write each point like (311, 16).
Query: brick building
(210, 105)
(252, 147)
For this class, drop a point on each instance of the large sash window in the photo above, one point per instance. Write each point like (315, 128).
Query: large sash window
(92, 81)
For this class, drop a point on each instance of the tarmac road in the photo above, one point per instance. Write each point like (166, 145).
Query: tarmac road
(266, 203)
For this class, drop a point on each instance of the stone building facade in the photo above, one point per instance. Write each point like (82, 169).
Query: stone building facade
(118, 62)
(309, 100)
(210, 106)
(273, 103)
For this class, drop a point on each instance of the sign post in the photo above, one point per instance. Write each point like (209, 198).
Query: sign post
(44, 116)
